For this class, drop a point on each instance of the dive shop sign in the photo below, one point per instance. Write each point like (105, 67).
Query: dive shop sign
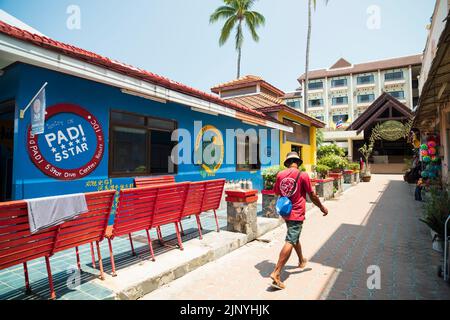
(72, 145)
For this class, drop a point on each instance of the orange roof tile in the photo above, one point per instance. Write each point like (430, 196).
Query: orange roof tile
(246, 81)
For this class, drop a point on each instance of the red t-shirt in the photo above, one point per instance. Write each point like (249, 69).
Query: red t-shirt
(284, 186)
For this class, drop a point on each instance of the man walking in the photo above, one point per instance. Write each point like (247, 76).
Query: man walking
(294, 184)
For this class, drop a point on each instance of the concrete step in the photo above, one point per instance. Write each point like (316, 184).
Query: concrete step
(135, 281)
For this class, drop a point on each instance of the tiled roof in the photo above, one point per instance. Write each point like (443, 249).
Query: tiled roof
(364, 67)
(341, 63)
(257, 100)
(246, 81)
(266, 103)
(122, 68)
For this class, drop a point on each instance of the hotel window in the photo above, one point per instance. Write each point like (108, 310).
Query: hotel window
(398, 94)
(294, 104)
(393, 76)
(321, 118)
(369, 79)
(366, 98)
(315, 103)
(250, 162)
(336, 101)
(338, 83)
(343, 117)
(140, 145)
(315, 85)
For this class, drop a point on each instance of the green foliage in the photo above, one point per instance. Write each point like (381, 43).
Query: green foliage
(331, 149)
(436, 210)
(333, 161)
(238, 14)
(353, 166)
(321, 170)
(319, 138)
(270, 176)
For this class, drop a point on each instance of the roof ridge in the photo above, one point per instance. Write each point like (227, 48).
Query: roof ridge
(121, 67)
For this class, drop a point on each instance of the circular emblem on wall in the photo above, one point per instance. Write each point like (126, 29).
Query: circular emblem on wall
(71, 146)
(392, 130)
(209, 149)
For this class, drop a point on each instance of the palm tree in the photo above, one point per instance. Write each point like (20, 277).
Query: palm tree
(237, 12)
(311, 4)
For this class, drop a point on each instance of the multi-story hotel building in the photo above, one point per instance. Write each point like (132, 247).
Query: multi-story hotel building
(345, 90)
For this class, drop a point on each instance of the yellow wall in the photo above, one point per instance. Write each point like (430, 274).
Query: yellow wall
(308, 151)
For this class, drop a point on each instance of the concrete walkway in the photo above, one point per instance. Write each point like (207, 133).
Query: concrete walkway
(373, 224)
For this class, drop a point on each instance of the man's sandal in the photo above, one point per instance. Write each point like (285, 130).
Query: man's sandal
(277, 284)
(302, 264)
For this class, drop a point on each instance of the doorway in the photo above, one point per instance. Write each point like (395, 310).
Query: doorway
(297, 149)
(6, 149)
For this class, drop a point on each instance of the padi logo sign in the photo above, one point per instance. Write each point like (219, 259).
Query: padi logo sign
(67, 143)
(72, 145)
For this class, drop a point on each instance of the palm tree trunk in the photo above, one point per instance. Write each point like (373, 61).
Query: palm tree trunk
(308, 41)
(239, 63)
(239, 51)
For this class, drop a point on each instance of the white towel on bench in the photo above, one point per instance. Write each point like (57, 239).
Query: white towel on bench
(51, 211)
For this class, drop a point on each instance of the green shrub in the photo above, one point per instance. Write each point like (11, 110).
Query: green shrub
(436, 210)
(333, 161)
(353, 166)
(330, 149)
(270, 176)
(321, 170)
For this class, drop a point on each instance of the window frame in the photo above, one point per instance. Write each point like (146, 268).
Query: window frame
(339, 104)
(340, 86)
(318, 106)
(313, 83)
(393, 73)
(258, 149)
(403, 96)
(115, 123)
(366, 94)
(371, 76)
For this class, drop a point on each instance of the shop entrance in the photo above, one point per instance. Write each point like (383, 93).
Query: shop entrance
(297, 149)
(6, 149)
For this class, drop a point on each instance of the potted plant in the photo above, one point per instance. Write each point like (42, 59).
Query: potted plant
(351, 175)
(436, 211)
(366, 151)
(321, 171)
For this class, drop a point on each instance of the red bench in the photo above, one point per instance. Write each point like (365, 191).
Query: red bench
(153, 181)
(141, 209)
(18, 245)
(203, 196)
(146, 208)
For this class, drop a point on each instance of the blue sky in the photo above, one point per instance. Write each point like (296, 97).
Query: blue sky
(174, 38)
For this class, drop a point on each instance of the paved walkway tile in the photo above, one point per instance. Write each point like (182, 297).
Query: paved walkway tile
(373, 224)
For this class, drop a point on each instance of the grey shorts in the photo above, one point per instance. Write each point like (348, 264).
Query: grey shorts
(294, 229)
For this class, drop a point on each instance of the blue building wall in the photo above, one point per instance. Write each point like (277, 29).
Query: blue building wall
(22, 81)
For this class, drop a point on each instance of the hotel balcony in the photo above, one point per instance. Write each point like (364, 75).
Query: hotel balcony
(343, 88)
(366, 85)
(394, 82)
(315, 91)
(363, 104)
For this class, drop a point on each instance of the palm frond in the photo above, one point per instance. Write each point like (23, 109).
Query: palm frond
(226, 30)
(258, 18)
(252, 23)
(223, 12)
